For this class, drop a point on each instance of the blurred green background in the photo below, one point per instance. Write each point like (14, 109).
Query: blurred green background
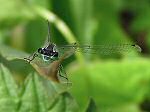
(118, 82)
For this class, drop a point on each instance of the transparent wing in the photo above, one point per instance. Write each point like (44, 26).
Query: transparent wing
(66, 49)
(101, 49)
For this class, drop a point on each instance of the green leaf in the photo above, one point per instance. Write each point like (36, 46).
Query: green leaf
(35, 95)
(33, 98)
(111, 83)
(38, 94)
(64, 103)
(11, 54)
(8, 91)
(91, 106)
(39, 97)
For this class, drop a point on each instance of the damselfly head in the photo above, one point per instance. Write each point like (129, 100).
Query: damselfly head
(40, 50)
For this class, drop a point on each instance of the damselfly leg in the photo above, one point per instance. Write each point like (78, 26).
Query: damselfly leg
(31, 57)
(62, 71)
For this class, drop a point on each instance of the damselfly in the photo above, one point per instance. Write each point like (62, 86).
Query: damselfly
(51, 56)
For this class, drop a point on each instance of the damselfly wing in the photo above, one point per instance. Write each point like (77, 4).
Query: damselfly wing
(106, 49)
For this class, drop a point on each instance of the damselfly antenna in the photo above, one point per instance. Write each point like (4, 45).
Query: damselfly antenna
(49, 38)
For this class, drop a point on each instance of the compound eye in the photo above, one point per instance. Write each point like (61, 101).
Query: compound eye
(54, 48)
(40, 50)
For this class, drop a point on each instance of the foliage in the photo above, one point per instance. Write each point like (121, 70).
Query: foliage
(32, 95)
(115, 83)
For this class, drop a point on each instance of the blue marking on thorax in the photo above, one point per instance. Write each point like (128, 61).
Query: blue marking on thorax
(48, 58)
